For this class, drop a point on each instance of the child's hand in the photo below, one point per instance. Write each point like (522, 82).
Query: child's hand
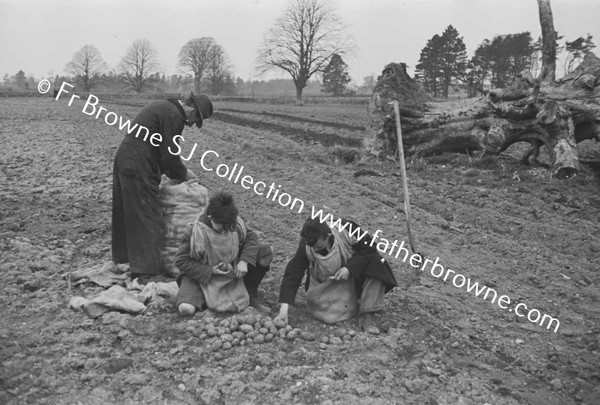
(222, 268)
(283, 314)
(241, 269)
(341, 274)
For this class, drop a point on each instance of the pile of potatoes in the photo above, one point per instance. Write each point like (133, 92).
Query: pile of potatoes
(248, 330)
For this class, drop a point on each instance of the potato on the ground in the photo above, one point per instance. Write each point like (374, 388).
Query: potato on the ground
(336, 340)
(339, 332)
(308, 336)
(279, 323)
(246, 328)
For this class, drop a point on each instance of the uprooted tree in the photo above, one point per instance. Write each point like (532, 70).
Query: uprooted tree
(554, 114)
(546, 112)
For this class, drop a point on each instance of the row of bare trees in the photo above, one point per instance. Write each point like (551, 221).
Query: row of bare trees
(306, 40)
(202, 57)
(301, 43)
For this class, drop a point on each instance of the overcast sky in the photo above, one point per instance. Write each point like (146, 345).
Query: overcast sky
(41, 36)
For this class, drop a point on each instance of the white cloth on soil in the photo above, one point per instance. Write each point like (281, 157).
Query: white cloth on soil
(131, 300)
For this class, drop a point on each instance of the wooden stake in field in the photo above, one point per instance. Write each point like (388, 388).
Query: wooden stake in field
(416, 273)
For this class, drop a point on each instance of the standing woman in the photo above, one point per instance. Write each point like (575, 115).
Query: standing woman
(137, 219)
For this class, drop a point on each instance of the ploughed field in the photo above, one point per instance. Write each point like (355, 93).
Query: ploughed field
(512, 228)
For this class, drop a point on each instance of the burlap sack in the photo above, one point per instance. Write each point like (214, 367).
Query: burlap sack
(224, 293)
(332, 301)
(181, 205)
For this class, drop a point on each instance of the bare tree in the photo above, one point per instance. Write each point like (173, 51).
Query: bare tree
(303, 41)
(86, 66)
(218, 69)
(196, 56)
(548, 71)
(139, 65)
(369, 82)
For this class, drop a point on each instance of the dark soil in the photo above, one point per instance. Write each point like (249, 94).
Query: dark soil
(516, 229)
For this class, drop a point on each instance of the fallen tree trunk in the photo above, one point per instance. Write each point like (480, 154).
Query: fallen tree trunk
(556, 114)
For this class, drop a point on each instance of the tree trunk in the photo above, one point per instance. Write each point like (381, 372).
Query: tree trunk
(197, 84)
(299, 89)
(548, 71)
(556, 115)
